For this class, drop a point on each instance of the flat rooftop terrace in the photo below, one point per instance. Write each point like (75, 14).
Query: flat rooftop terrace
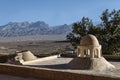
(62, 65)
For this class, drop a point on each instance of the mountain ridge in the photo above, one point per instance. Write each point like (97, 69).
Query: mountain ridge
(13, 29)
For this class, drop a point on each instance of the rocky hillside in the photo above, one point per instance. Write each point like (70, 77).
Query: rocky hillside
(33, 28)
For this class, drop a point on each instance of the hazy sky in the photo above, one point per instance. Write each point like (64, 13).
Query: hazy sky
(54, 12)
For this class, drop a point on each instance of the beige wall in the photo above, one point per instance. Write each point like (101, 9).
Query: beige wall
(40, 60)
(48, 74)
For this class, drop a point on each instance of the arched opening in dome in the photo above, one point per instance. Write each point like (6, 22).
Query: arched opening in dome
(87, 53)
(96, 53)
(78, 51)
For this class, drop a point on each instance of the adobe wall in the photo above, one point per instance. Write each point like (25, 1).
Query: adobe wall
(48, 74)
(111, 57)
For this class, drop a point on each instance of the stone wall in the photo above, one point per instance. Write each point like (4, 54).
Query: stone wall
(48, 74)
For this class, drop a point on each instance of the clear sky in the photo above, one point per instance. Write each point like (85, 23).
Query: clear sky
(54, 12)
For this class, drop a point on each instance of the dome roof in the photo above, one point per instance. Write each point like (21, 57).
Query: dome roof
(89, 40)
(27, 55)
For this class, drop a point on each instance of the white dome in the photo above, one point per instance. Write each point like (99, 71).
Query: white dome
(27, 56)
(89, 40)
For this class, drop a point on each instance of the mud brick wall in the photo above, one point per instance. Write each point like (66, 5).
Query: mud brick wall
(48, 74)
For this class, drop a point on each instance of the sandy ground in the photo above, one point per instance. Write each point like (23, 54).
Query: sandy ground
(9, 77)
(36, 47)
(62, 65)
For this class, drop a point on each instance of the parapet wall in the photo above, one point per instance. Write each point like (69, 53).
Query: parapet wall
(48, 74)
(111, 57)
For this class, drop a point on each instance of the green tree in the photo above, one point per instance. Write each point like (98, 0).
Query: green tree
(85, 26)
(108, 33)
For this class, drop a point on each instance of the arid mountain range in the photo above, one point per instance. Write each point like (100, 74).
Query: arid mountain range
(13, 29)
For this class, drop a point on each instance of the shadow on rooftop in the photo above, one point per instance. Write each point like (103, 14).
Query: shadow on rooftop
(58, 66)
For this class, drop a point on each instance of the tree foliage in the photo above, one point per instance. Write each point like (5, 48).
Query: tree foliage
(80, 29)
(108, 32)
(110, 36)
